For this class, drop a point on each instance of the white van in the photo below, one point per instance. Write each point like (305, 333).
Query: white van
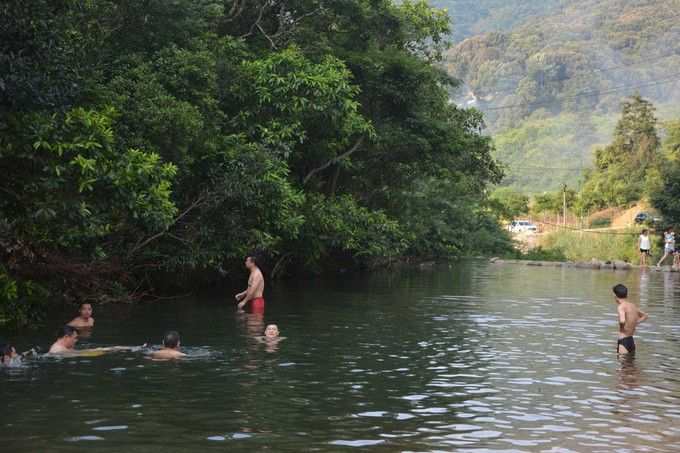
(521, 226)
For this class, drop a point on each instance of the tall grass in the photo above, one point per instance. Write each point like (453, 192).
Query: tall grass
(601, 245)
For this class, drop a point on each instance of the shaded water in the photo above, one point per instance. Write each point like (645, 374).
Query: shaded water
(469, 356)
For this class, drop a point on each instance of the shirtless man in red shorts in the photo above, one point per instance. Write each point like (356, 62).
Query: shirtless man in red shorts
(255, 288)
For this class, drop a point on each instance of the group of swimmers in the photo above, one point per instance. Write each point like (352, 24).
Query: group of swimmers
(629, 318)
(83, 323)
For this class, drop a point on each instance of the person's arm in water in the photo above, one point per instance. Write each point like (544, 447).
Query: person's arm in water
(116, 348)
(642, 317)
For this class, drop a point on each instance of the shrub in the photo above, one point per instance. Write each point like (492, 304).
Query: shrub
(600, 222)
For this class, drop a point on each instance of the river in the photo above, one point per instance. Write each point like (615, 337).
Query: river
(466, 356)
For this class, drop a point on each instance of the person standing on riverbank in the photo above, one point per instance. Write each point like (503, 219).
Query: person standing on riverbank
(668, 245)
(629, 318)
(255, 288)
(645, 247)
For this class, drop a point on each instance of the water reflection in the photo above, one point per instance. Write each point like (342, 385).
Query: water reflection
(644, 287)
(630, 376)
(668, 287)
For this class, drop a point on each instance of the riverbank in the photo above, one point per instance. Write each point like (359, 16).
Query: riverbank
(572, 245)
(584, 264)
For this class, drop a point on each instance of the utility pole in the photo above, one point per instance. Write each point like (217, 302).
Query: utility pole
(564, 206)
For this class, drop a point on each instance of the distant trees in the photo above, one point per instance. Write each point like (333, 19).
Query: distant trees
(664, 196)
(623, 168)
(509, 203)
(567, 66)
(561, 74)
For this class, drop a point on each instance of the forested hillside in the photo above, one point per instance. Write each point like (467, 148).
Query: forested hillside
(564, 74)
(147, 144)
(474, 17)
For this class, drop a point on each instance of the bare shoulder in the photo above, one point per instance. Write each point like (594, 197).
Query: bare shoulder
(164, 354)
(55, 349)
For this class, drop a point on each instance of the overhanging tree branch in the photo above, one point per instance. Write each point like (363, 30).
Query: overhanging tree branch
(198, 202)
(335, 160)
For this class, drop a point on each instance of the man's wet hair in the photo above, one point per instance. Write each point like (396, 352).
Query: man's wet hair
(254, 258)
(5, 349)
(66, 331)
(620, 291)
(171, 339)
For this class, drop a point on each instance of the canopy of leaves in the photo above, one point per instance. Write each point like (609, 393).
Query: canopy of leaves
(145, 142)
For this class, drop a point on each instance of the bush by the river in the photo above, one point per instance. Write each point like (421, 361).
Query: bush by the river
(600, 222)
(604, 246)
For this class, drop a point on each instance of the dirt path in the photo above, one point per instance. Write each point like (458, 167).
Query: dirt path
(626, 218)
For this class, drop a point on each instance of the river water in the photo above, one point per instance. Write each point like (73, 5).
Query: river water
(467, 356)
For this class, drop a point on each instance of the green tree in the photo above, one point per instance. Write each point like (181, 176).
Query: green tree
(509, 203)
(622, 167)
(663, 195)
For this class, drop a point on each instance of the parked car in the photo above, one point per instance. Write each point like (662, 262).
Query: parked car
(642, 217)
(521, 226)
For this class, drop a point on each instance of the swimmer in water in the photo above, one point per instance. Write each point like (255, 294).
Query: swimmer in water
(84, 318)
(170, 347)
(271, 337)
(272, 331)
(7, 353)
(66, 342)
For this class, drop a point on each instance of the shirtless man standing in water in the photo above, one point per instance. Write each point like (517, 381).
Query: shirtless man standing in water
(629, 318)
(255, 288)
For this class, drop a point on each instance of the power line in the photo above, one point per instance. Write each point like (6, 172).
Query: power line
(564, 227)
(534, 170)
(659, 81)
(542, 167)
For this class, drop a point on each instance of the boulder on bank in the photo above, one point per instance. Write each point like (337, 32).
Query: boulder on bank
(622, 265)
(592, 264)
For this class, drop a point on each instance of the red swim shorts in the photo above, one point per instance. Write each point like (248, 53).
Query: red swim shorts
(257, 304)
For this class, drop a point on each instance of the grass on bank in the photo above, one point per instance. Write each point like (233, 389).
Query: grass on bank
(601, 245)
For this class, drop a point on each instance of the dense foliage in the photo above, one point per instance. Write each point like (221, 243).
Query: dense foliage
(156, 141)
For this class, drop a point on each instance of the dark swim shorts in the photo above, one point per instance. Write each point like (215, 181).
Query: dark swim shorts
(627, 343)
(646, 252)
